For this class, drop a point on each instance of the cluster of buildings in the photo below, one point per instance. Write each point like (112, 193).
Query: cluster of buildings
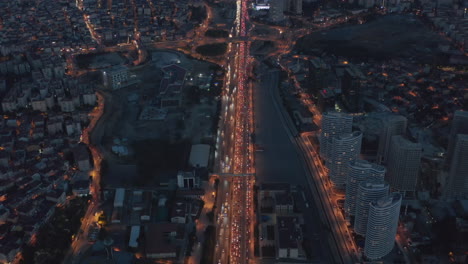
(449, 18)
(44, 94)
(279, 10)
(422, 93)
(119, 22)
(44, 112)
(47, 26)
(281, 226)
(160, 223)
(368, 206)
(35, 173)
(368, 202)
(402, 139)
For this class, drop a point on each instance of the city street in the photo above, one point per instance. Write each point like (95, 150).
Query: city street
(80, 244)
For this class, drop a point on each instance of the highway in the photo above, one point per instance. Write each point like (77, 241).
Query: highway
(235, 159)
(235, 152)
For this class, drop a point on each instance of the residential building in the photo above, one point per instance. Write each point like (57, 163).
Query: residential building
(82, 158)
(277, 8)
(38, 104)
(351, 85)
(81, 188)
(382, 226)
(89, 98)
(296, 7)
(115, 77)
(345, 148)
(404, 159)
(393, 125)
(459, 126)
(333, 124)
(457, 184)
(360, 171)
(367, 192)
(325, 99)
(187, 180)
(119, 197)
(319, 75)
(67, 105)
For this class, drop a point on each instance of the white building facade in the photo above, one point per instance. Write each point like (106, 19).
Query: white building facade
(345, 148)
(333, 124)
(382, 226)
(360, 171)
(367, 193)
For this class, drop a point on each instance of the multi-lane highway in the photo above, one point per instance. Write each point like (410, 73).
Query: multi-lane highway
(234, 156)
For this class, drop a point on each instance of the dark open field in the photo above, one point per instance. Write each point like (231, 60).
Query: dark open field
(384, 38)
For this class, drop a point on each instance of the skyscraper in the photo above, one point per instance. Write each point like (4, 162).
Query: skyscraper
(333, 124)
(404, 158)
(296, 6)
(319, 74)
(277, 8)
(367, 192)
(351, 85)
(345, 148)
(393, 125)
(360, 171)
(459, 126)
(382, 226)
(457, 186)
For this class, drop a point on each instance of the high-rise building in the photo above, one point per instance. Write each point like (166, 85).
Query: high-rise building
(382, 226)
(404, 159)
(360, 171)
(345, 148)
(296, 7)
(459, 126)
(319, 75)
(367, 192)
(393, 125)
(277, 8)
(326, 99)
(457, 186)
(351, 85)
(333, 124)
